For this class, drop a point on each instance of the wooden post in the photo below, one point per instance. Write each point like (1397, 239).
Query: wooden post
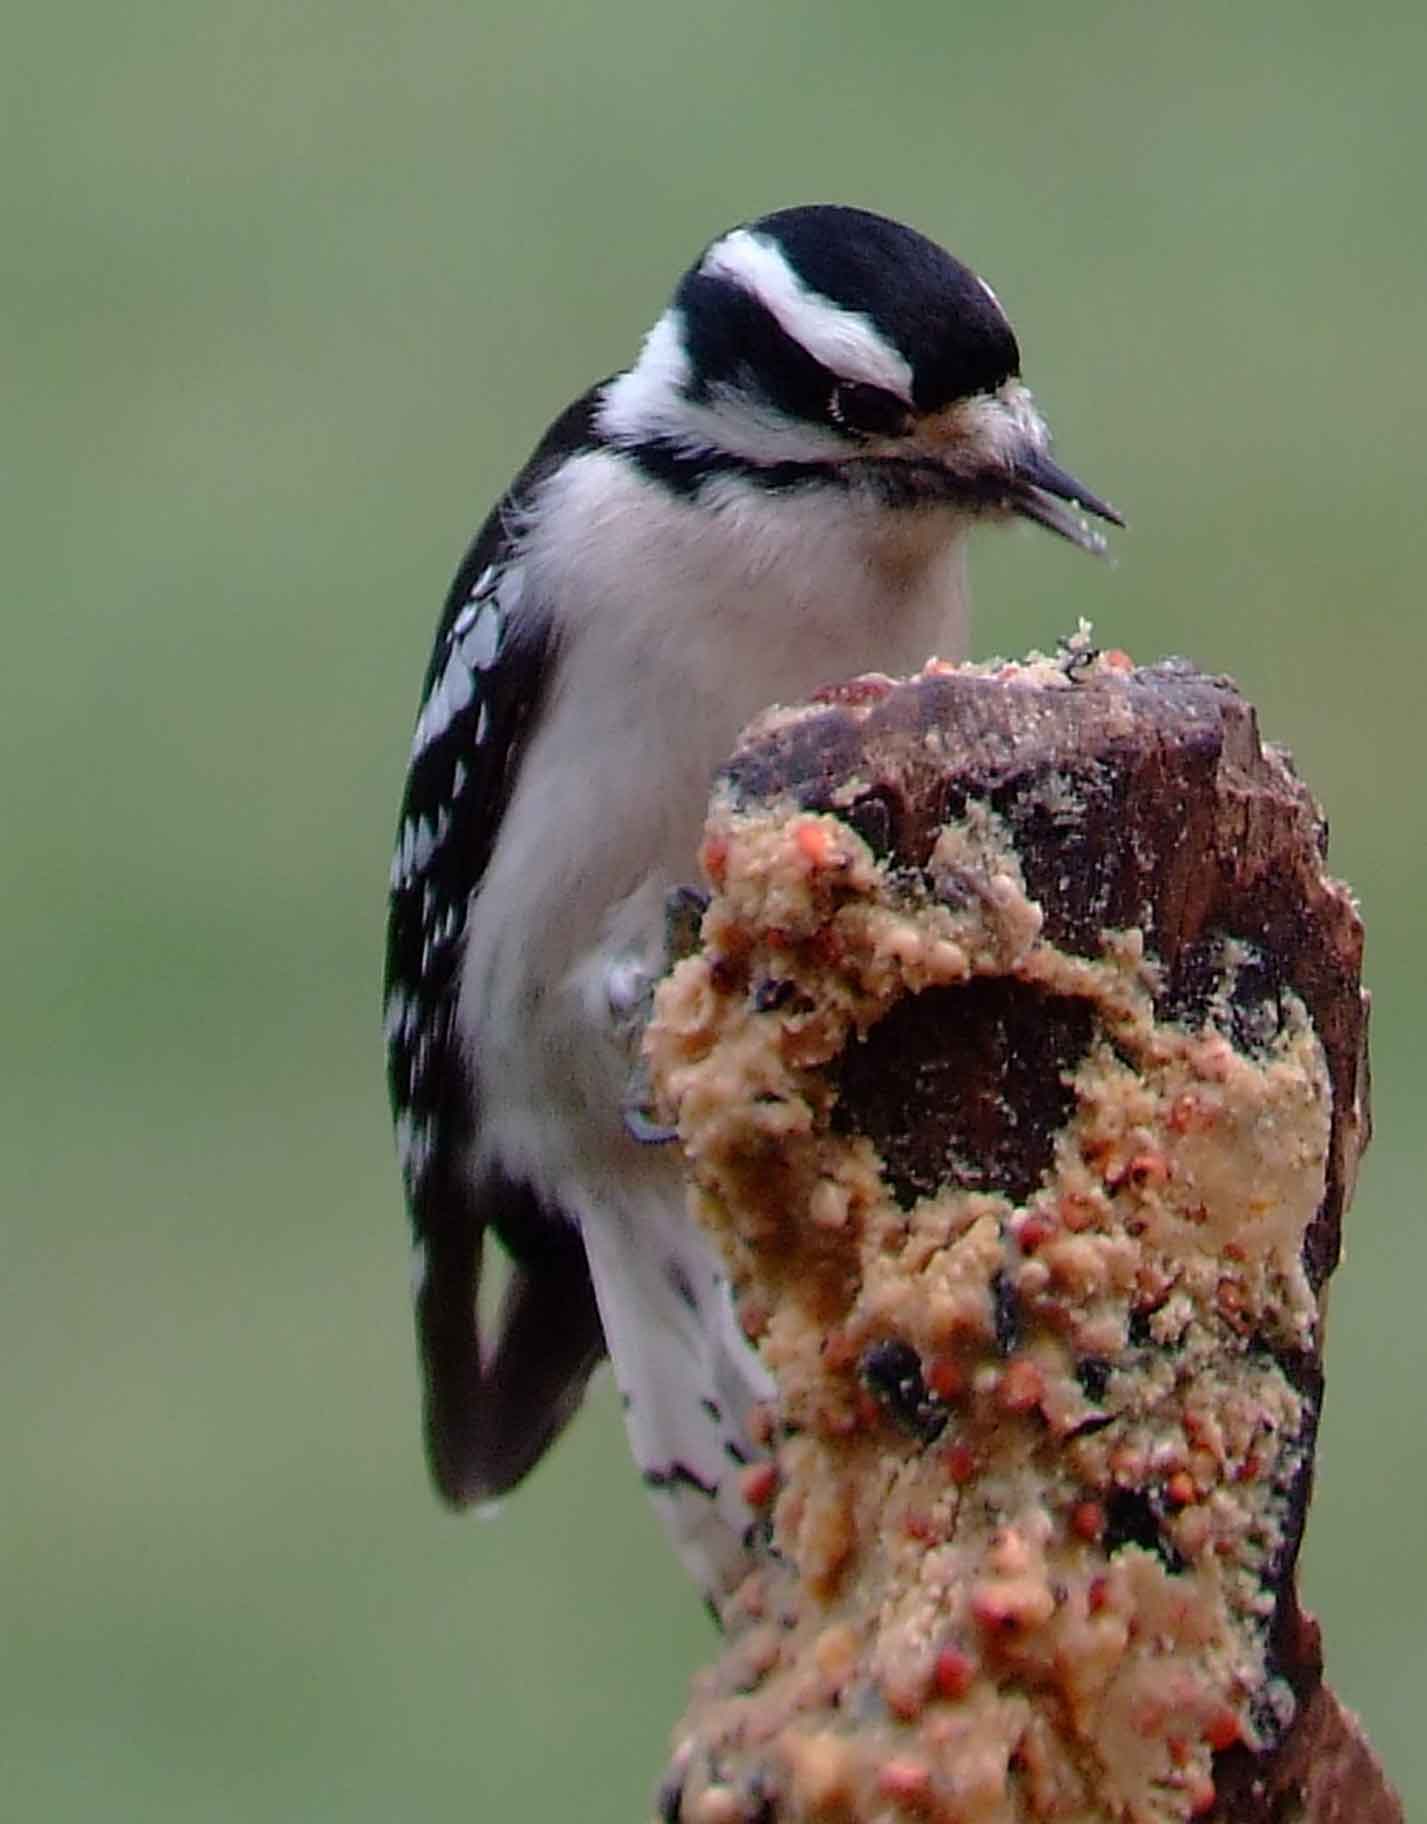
(1021, 1076)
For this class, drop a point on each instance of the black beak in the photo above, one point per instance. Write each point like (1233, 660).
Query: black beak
(1038, 487)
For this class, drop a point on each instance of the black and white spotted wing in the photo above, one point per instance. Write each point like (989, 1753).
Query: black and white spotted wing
(490, 1412)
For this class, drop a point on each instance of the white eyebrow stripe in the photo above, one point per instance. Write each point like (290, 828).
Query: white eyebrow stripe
(844, 340)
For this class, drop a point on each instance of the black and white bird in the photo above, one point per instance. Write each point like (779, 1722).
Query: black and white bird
(775, 495)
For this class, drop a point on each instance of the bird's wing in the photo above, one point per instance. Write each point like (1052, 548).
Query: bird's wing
(489, 1412)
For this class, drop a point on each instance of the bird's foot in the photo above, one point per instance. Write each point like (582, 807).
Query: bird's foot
(630, 987)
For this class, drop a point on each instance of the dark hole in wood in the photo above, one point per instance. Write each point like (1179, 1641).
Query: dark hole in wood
(966, 1087)
(871, 816)
(1252, 1014)
(1130, 1519)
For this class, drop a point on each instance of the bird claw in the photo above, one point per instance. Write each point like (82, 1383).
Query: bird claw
(684, 909)
(644, 1128)
(641, 1119)
(630, 990)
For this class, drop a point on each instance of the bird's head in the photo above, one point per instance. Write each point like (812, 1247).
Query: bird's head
(827, 344)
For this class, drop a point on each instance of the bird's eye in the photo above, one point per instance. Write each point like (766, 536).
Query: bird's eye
(868, 411)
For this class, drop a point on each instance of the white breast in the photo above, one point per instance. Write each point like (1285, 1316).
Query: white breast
(676, 623)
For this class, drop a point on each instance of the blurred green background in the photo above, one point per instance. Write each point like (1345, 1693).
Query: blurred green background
(290, 289)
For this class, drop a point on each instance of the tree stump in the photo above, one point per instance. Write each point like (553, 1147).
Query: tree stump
(1021, 1076)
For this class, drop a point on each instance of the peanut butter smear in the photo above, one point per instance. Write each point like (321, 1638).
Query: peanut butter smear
(1036, 1438)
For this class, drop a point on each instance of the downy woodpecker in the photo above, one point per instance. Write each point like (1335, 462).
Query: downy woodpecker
(775, 495)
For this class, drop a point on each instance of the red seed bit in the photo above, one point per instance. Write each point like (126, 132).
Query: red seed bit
(1097, 1594)
(953, 1673)
(920, 1526)
(1087, 1520)
(1149, 1168)
(1077, 1212)
(1222, 1729)
(713, 859)
(870, 687)
(1022, 1386)
(904, 1781)
(1180, 1488)
(1198, 1428)
(945, 1377)
(961, 1462)
(758, 1483)
(815, 844)
(1146, 1169)
(1034, 1231)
